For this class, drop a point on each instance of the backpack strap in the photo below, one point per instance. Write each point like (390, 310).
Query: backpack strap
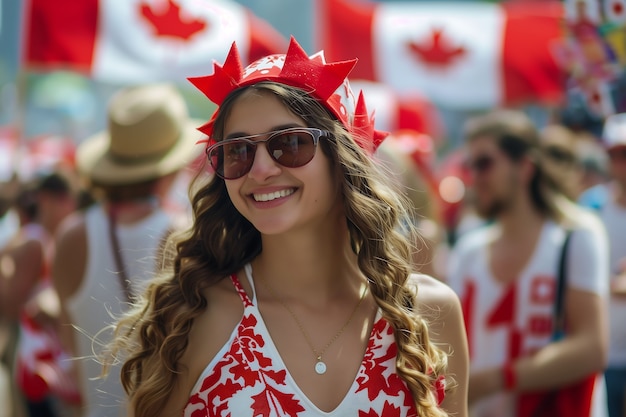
(117, 256)
(561, 286)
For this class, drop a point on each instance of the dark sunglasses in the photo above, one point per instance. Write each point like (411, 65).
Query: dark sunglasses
(480, 164)
(561, 155)
(291, 148)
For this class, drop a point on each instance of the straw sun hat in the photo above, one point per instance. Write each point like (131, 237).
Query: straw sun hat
(149, 136)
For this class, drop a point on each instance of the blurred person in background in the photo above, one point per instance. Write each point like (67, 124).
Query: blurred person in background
(10, 397)
(594, 163)
(597, 178)
(612, 210)
(9, 221)
(26, 293)
(506, 276)
(107, 254)
(559, 147)
(408, 156)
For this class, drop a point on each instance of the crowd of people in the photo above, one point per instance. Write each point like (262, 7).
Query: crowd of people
(310, 271)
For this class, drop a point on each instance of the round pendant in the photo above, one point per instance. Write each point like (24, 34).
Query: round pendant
(320, 368)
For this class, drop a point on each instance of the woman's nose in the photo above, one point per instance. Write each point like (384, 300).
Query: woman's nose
(263, 165)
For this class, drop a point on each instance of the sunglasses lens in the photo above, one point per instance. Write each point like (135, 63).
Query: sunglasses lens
(233, 159)
(292, 149)
(561, 156)
(481, 164)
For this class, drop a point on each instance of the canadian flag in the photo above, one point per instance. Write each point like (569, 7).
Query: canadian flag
(599, 99)
(138, 41)
(394, 112)
(615, 11)
(460, 55)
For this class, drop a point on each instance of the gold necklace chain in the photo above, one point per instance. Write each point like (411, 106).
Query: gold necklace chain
(320, 366)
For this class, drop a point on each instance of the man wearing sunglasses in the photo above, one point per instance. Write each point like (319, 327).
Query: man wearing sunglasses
(506, 276)
(611, 206)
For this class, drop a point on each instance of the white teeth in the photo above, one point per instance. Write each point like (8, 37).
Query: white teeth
(273, 196)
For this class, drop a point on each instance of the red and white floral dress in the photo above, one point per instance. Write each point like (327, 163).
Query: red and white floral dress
(248, 377)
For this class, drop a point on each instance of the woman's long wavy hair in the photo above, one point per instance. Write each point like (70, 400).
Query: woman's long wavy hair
(153, 337)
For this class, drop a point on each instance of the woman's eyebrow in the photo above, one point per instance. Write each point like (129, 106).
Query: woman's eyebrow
(236, 135)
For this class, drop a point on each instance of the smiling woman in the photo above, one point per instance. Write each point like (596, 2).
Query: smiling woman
(292, 292)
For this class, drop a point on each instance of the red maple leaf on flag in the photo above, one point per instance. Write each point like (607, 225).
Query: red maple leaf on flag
(168, 22)
(437, 51)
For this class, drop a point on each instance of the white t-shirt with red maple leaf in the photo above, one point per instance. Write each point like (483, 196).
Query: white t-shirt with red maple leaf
(504, 322)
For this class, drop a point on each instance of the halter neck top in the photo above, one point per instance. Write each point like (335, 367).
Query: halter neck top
(249, 378)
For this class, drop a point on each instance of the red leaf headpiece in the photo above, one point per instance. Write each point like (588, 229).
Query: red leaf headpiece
(327, 82)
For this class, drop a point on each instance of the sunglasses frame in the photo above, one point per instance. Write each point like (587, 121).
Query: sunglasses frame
(560, 155)
(315, 134)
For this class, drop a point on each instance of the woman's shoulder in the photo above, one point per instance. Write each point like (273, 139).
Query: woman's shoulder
(72, 227)
(70, 258)
(433, 294)
(441, 308)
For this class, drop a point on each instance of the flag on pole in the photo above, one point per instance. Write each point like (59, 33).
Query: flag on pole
(139, 41)
(393, 112)
(460, 55)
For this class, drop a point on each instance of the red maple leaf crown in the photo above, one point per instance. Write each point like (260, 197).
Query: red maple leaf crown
(326, 82)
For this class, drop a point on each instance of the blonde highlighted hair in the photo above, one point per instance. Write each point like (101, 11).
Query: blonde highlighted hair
(153, 337)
